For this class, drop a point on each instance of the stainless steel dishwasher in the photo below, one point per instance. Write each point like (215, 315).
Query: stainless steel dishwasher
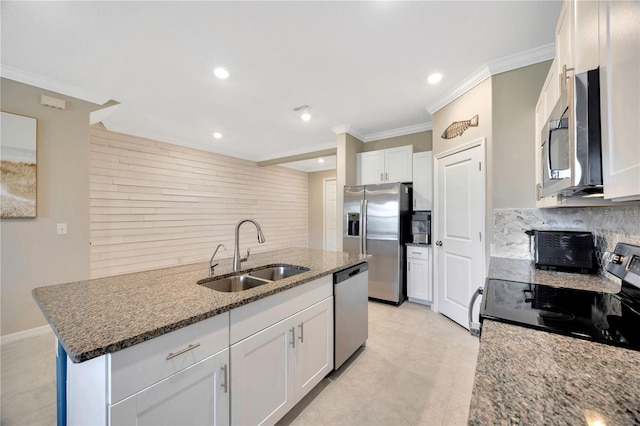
(351, 311)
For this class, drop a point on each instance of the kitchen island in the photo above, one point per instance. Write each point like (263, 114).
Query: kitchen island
(526, 376)
(157, 348)
(94, 317)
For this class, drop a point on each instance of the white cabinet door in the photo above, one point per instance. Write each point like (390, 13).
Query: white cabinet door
(619, 89)
(197, 395)
(314, 346)
(372, 167)
(398, 164)
(586, 46)
(423, 181)
(419, 283)
(564, 43)
(262, 376)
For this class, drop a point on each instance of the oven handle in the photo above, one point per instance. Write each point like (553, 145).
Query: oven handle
(474, 331)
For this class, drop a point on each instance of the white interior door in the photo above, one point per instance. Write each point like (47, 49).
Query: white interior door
(330, 214)
(459, 248)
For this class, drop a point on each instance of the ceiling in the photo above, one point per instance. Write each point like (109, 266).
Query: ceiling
(359, 65)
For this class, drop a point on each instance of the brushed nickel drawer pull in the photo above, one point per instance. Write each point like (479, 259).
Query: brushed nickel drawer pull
(180, 352)
(225, 385)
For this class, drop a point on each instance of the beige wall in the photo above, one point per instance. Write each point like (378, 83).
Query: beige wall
(155, 204)
(346, 173)
(421, 141)
(515, 94)
(316, 207)
(32, 254)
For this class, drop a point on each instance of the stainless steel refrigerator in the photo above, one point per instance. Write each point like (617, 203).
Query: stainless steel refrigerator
(376, 221)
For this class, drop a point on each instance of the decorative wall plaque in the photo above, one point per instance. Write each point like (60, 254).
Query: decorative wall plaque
(458, 127)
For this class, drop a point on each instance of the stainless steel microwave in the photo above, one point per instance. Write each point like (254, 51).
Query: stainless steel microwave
(571, 147)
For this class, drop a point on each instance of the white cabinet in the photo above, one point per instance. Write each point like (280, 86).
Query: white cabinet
(605, 34)
(620, 98)
(564, 44)
(372, 167)
(386, 165)
(423, 181)
(176, 378)
(197, 395)
(282, 346)
(274, 368)
(419, 283)
(263, 376)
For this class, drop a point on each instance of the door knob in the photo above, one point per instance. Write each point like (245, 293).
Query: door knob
(439, 243)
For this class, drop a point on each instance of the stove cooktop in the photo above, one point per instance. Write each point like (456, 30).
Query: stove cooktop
(602, 317)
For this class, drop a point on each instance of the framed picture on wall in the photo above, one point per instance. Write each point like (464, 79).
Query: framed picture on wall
(18, 166)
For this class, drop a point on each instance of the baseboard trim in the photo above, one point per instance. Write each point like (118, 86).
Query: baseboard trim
(25, 334)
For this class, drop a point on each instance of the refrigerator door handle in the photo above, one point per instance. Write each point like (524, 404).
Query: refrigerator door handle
(364, 226)
(360, 248)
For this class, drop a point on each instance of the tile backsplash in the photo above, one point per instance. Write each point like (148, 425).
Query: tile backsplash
(610, 225)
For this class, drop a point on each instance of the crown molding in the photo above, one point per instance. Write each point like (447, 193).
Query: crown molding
(508, 63)
(346, 128)
(422, 127)
(46, 83)
(463, 87)
(522, 59)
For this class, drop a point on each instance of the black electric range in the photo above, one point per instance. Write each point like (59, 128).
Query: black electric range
(601, 317)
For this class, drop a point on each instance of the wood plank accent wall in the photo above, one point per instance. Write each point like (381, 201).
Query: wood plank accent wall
(154, 204)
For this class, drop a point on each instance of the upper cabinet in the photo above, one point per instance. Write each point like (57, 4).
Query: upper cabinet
(564, 43)
(604, 34)
(386, 165)
(423, 181)
(619, 40)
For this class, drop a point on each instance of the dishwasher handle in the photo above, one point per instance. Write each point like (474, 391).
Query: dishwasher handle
(348, 273)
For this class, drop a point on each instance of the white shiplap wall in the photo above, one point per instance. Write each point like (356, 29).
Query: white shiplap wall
(155, 204)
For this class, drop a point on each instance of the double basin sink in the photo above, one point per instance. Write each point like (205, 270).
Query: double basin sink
(256, 278)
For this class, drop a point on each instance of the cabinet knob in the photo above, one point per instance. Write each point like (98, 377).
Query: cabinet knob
(439, 243)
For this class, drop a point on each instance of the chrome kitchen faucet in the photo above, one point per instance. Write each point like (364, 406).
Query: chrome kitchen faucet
(237, 260)
(211, 265)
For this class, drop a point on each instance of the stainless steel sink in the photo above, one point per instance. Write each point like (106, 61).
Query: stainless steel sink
(247, 280)
(275, 273)
(232, 284)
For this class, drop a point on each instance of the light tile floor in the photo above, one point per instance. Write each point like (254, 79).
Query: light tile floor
(416, 369)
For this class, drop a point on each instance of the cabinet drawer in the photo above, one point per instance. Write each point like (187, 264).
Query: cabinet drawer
(421, 253)
(255, 316)
(142, 365)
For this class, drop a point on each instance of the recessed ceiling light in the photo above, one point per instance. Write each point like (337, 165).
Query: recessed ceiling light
(434, 78)
(305, 116)
(217, 135)
(320, 160)
(221, 72)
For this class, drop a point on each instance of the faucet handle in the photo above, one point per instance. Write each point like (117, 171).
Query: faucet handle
(244, 259)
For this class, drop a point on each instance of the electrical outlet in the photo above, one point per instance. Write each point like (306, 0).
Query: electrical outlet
(62, 228)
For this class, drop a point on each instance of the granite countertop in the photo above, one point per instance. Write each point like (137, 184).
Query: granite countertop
(530, 377)
(104, 315)
(524, 271)
(417, 245)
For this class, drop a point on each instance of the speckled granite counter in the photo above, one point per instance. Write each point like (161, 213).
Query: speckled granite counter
(531, 377)
(99, 316)
(417, 245)
(524, 271)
